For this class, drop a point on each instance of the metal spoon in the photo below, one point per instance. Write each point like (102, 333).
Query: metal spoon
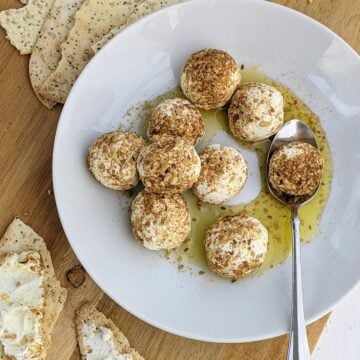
(294, 130)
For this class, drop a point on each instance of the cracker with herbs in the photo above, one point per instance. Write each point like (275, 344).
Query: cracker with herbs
(94, 19)
(18, 238)
(89, 315)
(46, 54)
(23, 25)
(145, 8)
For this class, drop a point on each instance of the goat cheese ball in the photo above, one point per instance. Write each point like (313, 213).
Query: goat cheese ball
(223, 174)
(236, 246)
(256, 112)
(209, 78)
(176, 117)
(296, 169)
(112, 159)
(168, 165)
(160, 221)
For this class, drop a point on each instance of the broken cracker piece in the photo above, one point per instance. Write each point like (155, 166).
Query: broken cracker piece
(90, 324)
(46, 54)
(19, 238)
(23, 25)
(94, 19)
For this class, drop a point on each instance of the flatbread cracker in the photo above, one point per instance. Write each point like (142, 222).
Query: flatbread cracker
(20, 237)
(23, 25)
(145, 8)
(88, 314)
(46, 54)
(94, 19)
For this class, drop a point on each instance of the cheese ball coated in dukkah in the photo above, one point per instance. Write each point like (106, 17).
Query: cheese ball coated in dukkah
(112, 159)
(223, 174)
(168, 165)
(160, 221)
(256, 112)
(296, 169)
(209, 78)
(176, 117)
(236, 246)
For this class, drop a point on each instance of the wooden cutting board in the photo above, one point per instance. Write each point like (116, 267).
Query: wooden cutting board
(27, 132)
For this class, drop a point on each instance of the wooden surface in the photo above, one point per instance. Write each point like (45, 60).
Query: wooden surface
(26, 139)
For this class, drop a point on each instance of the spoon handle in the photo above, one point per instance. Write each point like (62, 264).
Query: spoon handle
(298, 343)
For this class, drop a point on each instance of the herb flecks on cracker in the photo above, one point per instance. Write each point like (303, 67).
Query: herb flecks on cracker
(23, 25)
(46, 54)
(94, 19)
(145, 8)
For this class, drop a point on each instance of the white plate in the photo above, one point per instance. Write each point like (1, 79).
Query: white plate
(143, 62)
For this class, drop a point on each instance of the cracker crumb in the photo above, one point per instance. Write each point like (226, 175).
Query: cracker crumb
(76, 276)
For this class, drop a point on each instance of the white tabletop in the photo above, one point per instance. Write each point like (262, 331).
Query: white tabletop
(341, 337)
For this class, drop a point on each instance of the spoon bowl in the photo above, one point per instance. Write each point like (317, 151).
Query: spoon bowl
(293, 130)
